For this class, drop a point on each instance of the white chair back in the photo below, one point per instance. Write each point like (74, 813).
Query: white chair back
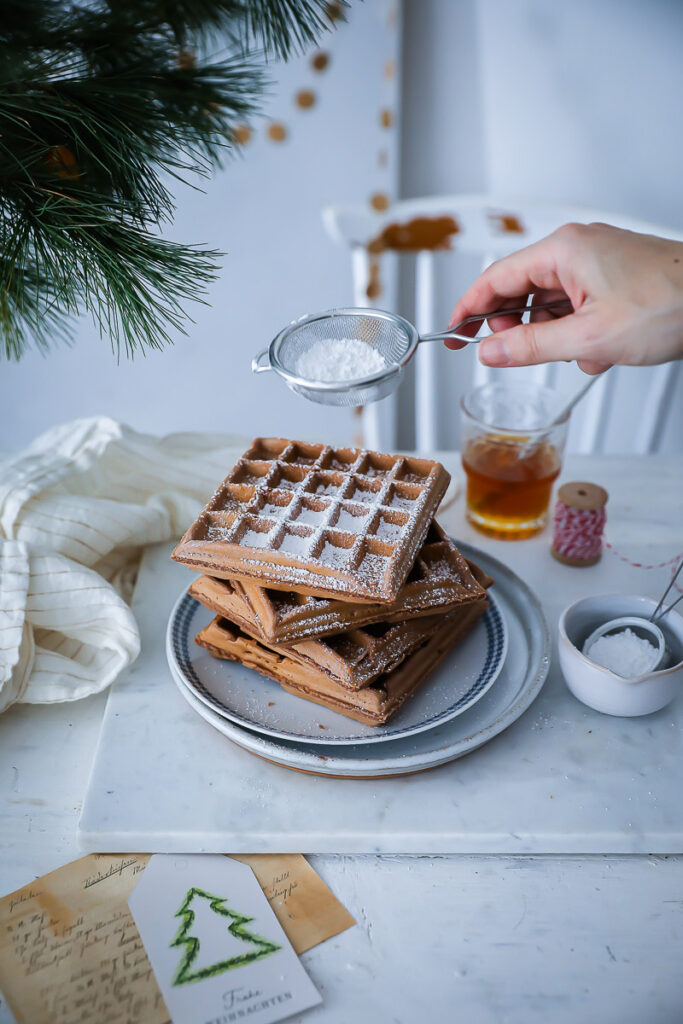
(491, 227)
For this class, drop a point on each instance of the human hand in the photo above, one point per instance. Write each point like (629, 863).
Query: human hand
(626, 291)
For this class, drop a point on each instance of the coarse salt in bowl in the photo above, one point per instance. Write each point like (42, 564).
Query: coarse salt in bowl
(603, 688)
(624, 649)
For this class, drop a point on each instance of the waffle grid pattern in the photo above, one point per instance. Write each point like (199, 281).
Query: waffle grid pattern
(345, 519)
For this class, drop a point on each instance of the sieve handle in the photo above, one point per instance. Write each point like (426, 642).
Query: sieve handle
(257, 366)
(452, 332)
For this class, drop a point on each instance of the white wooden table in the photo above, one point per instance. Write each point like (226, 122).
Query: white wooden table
(516, 940)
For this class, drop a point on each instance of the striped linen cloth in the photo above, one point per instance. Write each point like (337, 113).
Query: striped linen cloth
(76, 509)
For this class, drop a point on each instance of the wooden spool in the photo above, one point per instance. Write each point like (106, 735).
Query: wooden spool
(584, 497)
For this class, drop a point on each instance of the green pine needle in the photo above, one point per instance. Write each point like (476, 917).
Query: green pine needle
(101, 104)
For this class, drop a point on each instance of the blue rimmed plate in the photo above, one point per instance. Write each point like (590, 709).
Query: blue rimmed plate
(246, 698)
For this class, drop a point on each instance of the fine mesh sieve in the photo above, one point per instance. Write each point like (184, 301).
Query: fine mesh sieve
(392, 336)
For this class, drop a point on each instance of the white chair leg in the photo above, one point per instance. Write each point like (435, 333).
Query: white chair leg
(360, 270)
(379, 418)
(426, 374)
(550, 375)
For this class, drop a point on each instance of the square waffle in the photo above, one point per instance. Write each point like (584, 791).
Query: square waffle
(317, 520)
(439, 580)
(374, 704)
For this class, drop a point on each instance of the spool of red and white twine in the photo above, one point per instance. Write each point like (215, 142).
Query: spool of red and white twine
(579, 523)
(579, 526)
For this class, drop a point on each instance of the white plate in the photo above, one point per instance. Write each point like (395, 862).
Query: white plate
(526, 667)
(249, 699)
(519, 683)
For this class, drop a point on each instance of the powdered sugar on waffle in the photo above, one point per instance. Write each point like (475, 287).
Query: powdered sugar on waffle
(355, 518)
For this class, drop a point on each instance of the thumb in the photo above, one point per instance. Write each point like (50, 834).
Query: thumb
(529, 344)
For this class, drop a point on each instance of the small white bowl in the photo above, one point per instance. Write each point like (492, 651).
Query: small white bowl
(599, 687)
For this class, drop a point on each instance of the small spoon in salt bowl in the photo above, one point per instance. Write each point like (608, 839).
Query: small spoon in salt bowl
(632, 645)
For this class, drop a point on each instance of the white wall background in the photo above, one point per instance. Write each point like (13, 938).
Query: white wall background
(576, 103)
(582, 102)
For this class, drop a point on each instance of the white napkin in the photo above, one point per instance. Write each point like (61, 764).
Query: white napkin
(76, 508)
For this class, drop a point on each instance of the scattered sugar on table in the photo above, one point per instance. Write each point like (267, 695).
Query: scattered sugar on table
(625, 653)
(337, 359)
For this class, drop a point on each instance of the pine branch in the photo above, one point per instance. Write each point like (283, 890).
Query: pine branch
(121, 128)
(133, 283)
(101, 101)
(27, 310)
(284, 27)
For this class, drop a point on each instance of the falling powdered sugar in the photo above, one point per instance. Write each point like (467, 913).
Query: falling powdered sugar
(339, 359)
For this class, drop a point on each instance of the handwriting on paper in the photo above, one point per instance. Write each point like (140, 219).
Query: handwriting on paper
(114, 869)
(281, 887)
(70, 952)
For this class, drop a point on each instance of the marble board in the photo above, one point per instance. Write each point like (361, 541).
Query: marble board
(562, 779)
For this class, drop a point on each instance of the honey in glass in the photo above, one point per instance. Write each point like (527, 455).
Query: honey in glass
(509, 482)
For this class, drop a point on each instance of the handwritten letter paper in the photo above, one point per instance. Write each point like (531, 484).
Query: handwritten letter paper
(70, 952)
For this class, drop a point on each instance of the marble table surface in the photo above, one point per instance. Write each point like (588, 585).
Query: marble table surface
(562, 779)
(482, 938)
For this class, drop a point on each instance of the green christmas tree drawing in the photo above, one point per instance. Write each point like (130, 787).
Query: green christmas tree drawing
(260, 947)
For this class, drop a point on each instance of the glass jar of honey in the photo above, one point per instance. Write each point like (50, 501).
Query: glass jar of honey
(511, 459)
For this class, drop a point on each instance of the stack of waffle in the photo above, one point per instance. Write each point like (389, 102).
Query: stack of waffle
(328, 573)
